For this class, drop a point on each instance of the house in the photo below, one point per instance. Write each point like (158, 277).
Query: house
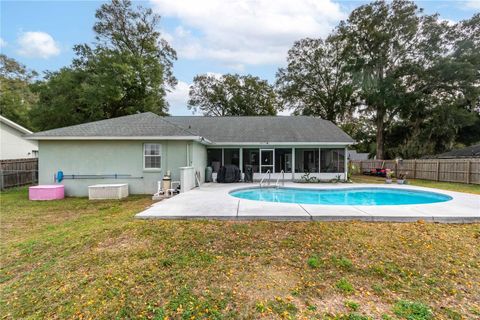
(13, 144)
(357, 156)
(139, 149)
(467, 152)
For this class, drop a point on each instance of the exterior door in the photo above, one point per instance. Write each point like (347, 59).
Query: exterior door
(266, 160)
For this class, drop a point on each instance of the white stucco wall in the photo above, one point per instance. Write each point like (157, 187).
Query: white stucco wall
(13, 145)
(91, 157)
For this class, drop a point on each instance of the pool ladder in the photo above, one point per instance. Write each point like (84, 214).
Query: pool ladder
(277, 184)
(264, 176)
(283, 180)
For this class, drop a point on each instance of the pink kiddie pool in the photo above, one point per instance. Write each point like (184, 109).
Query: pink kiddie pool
(46, 192)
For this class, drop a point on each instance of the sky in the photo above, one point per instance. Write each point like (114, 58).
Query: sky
(210, 36)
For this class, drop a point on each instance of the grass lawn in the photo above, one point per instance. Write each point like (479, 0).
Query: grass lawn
(81, 259)
(460, 187)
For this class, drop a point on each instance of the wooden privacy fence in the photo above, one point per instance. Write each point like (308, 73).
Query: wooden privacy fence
(448, 170)
(18, 172)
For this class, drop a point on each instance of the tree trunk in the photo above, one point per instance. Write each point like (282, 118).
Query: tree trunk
(380, 133)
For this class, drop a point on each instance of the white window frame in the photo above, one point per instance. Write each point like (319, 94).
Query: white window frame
(146, 155)
(272, 166)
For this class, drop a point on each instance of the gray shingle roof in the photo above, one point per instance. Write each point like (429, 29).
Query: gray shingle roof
(263, 129)
(137, 125)
(467, 152)
(216, 129)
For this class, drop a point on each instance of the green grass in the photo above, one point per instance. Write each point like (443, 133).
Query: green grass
(344, 286)
(76, 258)
(460, 187)
(412, 310)
(352, 305)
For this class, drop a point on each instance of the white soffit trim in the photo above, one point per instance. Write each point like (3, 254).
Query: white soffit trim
(15, 125)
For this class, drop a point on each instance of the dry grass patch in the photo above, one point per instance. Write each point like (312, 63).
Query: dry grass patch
(93, 259)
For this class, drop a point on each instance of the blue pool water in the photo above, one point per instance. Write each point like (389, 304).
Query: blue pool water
(345, 196)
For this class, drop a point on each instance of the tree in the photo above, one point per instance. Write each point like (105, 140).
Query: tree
(444, 93)
(63, 101)
(232, 95)
(383, 39)
(128, 70)
(315, 81)
(16, 98)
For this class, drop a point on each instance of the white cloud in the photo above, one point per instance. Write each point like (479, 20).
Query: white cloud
(178, 99)
(246, 32)
(450, 22)
(37, 44)
(3, 43)
(474, 4)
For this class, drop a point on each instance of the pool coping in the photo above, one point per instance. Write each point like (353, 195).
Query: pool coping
(213, 201)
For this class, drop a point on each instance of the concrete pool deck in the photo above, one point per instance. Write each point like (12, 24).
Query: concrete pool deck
(213, 201)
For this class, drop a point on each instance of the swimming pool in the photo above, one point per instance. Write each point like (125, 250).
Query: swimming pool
(365, 196)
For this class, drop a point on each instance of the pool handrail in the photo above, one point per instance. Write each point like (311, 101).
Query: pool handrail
(264, 176)
(283, 179)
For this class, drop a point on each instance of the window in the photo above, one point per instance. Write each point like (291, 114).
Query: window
(214, 159)
(306, 160)
(332, 160)
(251, 157)
(152, 156)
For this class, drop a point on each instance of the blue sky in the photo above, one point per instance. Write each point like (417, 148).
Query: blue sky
(210, 36)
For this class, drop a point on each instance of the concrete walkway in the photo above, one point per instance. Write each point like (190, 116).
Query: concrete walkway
(212, 201)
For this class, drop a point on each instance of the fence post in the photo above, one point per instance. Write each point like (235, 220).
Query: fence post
(361, 166)
(414, 168)
(468, 171)
(438, 170)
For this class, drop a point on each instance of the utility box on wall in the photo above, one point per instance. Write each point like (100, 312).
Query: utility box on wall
(187, 178)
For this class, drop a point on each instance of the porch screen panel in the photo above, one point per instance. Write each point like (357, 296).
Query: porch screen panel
(283, 160)
(306, 160)
(332, 160)
(214, 159)
(251, 157)
(231, 156)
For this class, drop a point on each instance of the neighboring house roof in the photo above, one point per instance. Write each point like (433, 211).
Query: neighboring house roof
(14, 125)
(221, 130)
(468, 152)
(354, 155)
